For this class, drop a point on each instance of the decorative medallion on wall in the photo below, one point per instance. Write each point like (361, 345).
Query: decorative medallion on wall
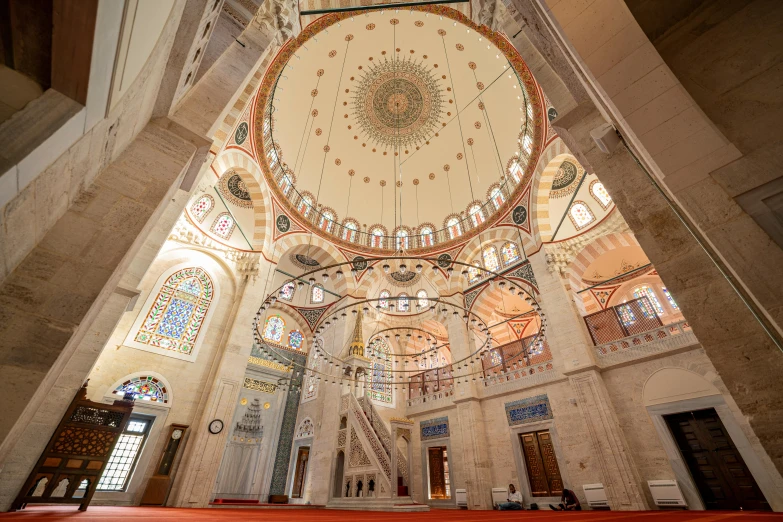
(532, 409)
(233, 190)
(551, 113)
(283, 223)
(304, 262)
(519, 215)
(444, 260)
(359, 263)
(240, 135)
(409, 278)
(566, 180)
(397, 103)
(435, 428)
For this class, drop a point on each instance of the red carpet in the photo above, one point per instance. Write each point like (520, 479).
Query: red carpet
(157, 514)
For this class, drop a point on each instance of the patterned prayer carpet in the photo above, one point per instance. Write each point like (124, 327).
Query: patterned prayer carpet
(160, 514)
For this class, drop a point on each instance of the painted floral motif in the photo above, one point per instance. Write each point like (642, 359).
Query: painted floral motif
(273, 329)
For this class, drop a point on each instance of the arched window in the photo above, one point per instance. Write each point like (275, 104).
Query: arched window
(474, 273)
(403, 303)
(383, 299)
(295, 339)
(326, 220)
(527, 141)
(402, 239)
(454, 227)
(144, 388)
(516, 171)
(646, 291)
(669, 298)
(285, 183)
(273, 329)
(381, 374)
(377, 234)
(202, 207)
(287, 292)
(223, 225)
(427, 239)
(422, 297)
(350, 229)
(509, 253)
(305, 204)
(497, 197)
(305, 429)
(495, 359)
(626, 314)
(317, 294)
(490, 257)
(580, 215)
(476, 215)
(600, 194)
(178, 312)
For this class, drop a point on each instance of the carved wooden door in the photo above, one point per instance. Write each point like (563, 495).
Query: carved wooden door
(301, 472)
(437, 473)
(720, 473)
(541, 463)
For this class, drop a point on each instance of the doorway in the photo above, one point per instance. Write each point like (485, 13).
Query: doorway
(438, 466)
(718, 470)
(300, 473)
(541, 463)
(337, 484)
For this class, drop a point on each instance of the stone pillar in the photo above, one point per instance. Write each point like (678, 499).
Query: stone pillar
(475, 457)
(59, 306)
(745, 356)
(201, 460)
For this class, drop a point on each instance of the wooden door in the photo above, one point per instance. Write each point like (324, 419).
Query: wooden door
(437, 473)
(541, 463)
(716, 466)
(300, 474)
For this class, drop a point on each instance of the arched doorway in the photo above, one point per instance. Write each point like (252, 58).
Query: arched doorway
(337, 483)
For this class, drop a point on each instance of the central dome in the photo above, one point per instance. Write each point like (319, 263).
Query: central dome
(397, 103)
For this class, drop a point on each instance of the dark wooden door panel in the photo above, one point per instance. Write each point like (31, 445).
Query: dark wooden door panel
(437, 473)
(717, 467)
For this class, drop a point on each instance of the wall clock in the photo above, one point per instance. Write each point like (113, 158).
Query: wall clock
(216, 426)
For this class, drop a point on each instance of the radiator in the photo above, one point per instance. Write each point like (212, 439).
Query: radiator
(596, 495)
(499, 495)
(666, 493)
(462, 497)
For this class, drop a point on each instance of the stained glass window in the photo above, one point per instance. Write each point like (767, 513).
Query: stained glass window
(495, 358)
(626, 315)
(285, 184)
(403, 303)
(454, 226)
(273, 329)
(287, 292)
(381, 374)
(646, 291)
(326, 220)
(490, 257)
(421, 295)
(144, 388)
(600, 194)
(476, 215)
(178, 312)
(383, 299)
(402, 239)
(349, 231)
(509, 252)
(202, 207)
(516, 171)
(497, 197)
(305, 204)
(223, 225)
(426, 236)
(295, 339)
(669, 298)
(377, 237)
(527, 144)
(474, 273)
(317, 295)
(580, 215)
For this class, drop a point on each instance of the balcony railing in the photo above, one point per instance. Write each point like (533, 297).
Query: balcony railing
(434, 381)
(516, 356)
(664, 338)
(624, 320)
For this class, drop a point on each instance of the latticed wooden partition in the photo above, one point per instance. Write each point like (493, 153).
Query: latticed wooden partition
(72, 463)
(616, 322)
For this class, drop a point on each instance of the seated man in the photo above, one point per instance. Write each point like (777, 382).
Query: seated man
(514, 499)
(568, 502)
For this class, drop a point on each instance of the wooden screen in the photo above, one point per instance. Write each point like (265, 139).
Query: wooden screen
(437, 472)
(541, 462)
(75, 457)
(300, 473)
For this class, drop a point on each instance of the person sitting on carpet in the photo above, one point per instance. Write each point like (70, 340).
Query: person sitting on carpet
(514, 499)
(568, 502)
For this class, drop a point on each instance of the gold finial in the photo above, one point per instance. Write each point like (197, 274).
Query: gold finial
(357, 343)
